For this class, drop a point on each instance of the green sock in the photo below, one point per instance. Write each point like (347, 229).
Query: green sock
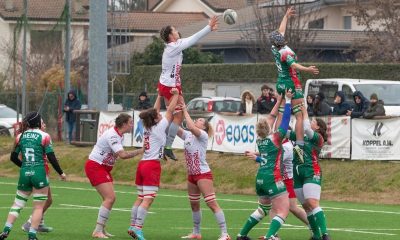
(276, 224)
(313, 225)
(320, 219)
(250, 223)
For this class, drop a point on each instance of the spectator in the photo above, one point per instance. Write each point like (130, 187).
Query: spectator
(144, 102)
(310, 104)
(248, 104)
(71, 104)
(360, 105)
(375, 107)
(321, 107)
(266, 101)
(340, 106)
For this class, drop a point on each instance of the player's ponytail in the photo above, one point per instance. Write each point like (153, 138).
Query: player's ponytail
(322, 128)
(149, 117)
(165, 32)
(208, 128)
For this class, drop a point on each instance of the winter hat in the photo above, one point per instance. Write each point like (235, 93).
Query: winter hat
(374, 96)
(144, 94)
(320, 95)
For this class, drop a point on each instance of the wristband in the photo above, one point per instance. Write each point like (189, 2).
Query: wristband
(258, 159)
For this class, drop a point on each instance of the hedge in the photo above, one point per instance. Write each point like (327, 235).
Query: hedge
(193, 75)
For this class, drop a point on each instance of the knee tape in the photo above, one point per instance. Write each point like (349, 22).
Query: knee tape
(194, 197)
(297, 108)
(264, 208)
(19, 203)
(210, 198)
(38, 197)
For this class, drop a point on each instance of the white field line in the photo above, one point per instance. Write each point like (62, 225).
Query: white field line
(300, 228)
(219, 199)
(97, 208)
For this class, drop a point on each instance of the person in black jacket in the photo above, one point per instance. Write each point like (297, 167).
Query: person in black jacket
(144, 102)
(375, 107)
(71, 104)
(340, 106)
(248, 105)
(310, 104)
(266, 101)
(361, 104)
(321, 107)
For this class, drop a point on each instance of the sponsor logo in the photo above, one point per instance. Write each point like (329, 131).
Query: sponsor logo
(220, 132)
(378, 130)
(139, 131)
(234, 133)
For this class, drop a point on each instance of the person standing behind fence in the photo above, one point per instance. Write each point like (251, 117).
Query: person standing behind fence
(248, 105)
(266, 101)
(321, 107)
(71, 104)
(361, 104)
(143, 102)
(375, 107)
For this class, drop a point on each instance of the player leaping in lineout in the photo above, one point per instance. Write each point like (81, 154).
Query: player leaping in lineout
(171, 75)
(289, 77)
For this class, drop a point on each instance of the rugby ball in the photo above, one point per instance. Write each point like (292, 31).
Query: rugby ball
(230, 16)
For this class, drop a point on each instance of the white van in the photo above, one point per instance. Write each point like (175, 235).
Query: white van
(388, 91)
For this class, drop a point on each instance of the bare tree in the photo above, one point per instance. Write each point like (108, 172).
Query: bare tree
(381, 21)
(261, 19)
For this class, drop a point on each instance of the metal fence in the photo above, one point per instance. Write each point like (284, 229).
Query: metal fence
(48, 103)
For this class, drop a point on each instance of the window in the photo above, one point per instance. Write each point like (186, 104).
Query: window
(45, 42)
(127, 5)
(347, 22)
(348, 94)
(316, 24)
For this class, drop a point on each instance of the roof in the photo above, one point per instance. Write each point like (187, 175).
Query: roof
(41, 10)
(154, 21)
(355, 81)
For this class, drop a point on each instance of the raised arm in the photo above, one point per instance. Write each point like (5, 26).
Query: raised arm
(172, 104)
(190, 123)
(289, 12)
(306, 123)
(157, 104)
(190, 41)
(311, 69)
(274, 112)
(286, 113)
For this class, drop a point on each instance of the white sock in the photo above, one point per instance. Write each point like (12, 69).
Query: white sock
(221, 221)
(140, 217)
(134, 214)
(196, 221)
(102, 218)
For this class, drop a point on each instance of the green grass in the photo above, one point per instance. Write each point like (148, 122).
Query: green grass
(75, 207)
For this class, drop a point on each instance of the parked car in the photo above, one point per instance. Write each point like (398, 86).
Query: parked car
(386, 90)
(206, 107)
(8, 119)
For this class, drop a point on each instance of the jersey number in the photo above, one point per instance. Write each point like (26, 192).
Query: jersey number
(30, 154)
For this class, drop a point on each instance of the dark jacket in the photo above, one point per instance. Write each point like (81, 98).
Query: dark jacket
(265, 104)
(376, 109)
(321, 107)
(310, 106)
(359, 109)
(74, 104)
(342, 107)
(142, 105)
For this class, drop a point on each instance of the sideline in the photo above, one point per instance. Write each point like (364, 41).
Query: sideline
(219, 199)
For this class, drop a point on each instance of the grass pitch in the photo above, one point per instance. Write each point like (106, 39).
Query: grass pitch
(75, 206)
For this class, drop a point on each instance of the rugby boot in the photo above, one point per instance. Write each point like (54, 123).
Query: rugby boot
(168, 152)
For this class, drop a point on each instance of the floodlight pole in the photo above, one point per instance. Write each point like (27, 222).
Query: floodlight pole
(25, 22)
(67, 60)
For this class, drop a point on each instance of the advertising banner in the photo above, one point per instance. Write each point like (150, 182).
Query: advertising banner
(107, 120)
(234, 134)
(376, 139)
